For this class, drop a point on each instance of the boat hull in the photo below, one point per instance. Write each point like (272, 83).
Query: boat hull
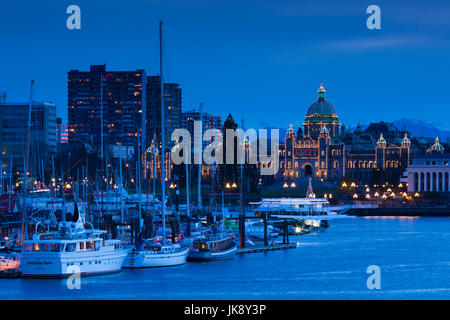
(35, 266)
(148, 259)
(230, 253)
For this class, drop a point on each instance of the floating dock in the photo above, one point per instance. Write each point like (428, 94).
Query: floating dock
(401, 212)
(276, 246)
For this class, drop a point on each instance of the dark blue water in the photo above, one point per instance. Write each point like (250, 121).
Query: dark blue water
(413, 255)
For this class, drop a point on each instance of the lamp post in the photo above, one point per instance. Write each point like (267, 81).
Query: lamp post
(153, 150)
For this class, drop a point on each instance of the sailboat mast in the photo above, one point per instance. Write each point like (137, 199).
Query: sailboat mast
(199, 191)
(121, 187)
(10, 182)
(101, 140)
(163, 173)
(187, 195)
(27, 155)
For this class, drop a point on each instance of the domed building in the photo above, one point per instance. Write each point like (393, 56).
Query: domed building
(326, 152)
(321, 114)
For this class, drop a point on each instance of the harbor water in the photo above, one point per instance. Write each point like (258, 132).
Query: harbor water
(413, 255)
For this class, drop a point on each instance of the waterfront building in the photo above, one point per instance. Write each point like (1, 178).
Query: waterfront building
(431, 172)
(173, 105)
(325, 150)
(13, 134)
(115, 96)
(208, 122)
(62, 134)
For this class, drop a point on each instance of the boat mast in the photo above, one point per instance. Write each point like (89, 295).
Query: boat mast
(121, 187)
(101, 140)
(27, 156)
(163, 173)
(188, 227)
(10, 182)
(199, 192)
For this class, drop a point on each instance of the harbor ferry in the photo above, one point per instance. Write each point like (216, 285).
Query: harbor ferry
(71, 249)
(218, 244)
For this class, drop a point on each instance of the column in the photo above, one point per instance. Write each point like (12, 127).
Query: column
(448, 181)
(438, 182)
(425, 187)
(431, 182)
(419, 186)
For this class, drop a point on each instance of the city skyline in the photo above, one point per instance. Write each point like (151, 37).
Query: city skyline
(249, 64)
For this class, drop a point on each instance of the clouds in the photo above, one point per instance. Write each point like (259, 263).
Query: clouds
(406, 41)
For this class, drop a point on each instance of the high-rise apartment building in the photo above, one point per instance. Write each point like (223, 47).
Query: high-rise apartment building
(112, 97)
(173, 105)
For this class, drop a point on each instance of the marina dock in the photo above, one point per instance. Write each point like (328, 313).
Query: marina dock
(276, 246)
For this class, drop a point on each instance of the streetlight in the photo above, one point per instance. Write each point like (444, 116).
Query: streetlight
(154, 151)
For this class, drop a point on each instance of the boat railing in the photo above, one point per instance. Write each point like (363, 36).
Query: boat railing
(218, 236)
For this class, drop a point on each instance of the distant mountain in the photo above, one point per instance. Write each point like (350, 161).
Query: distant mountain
(423, 128)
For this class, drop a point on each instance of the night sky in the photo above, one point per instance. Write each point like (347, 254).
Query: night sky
(261, 60)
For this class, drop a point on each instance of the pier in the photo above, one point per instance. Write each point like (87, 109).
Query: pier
(276, 246)
(401, 211)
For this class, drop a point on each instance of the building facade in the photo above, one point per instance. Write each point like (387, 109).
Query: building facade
(431, 172)
(62, 134)
(172, 116)
(114, 96)
(14, 134)
(325, 150)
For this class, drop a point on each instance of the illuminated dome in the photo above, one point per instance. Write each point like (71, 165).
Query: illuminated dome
(291, 130)
(436, 147)
(382, 140)
(321, 111)
(406, 139)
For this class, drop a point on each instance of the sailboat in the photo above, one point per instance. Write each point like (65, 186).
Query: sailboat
(150, 253)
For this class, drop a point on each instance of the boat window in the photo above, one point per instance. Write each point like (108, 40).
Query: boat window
(70, 247)
(36, 247)
(97, 245)
(55, 247)
(81, 245)
(89, 245)
(27, 247)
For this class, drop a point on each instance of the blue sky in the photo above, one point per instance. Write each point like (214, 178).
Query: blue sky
(261, 60)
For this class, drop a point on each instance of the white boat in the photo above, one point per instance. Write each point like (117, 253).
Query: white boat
(151, 255)
(255, 231)
(71, 249)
